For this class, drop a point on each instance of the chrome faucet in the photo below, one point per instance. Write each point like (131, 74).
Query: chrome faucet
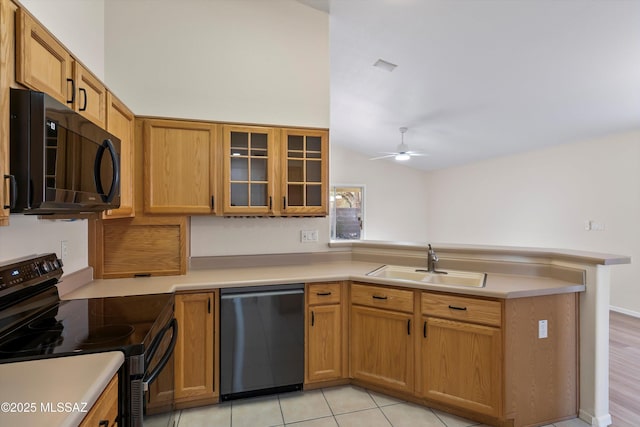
(432, 258)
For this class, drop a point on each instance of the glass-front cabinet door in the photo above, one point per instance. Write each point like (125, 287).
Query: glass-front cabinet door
(248, 170)
(305, 172)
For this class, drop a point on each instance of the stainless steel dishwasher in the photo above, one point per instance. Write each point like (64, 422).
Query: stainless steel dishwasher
(261, 340)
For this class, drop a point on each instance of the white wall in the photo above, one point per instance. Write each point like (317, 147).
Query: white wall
(27, 235)
(241, 61)
(78, 24)
(395, 198)
(543, 199)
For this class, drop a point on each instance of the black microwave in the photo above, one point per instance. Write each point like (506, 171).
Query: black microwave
(60, 162)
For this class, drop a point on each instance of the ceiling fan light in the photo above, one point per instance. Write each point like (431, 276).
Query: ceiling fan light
(402, 157)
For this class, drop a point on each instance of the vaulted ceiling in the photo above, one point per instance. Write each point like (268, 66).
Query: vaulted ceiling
(481, 78)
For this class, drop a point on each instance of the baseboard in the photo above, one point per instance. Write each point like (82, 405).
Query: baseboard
(601, 421)
(625, 311)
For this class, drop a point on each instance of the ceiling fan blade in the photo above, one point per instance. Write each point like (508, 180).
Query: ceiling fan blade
(382, 157)
(415, 154)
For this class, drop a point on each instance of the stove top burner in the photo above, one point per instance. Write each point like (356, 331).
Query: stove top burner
(107, 334)
(48, 323)
(34, 343)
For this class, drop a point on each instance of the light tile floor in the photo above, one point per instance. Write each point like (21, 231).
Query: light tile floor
(345, 406)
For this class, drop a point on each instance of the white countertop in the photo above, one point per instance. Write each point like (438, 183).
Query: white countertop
(72, 386)
(497, 285)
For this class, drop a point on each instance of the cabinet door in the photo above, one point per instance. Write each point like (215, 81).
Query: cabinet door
(41, 62)
(304, 155)
(248, 154)
(461, 365)
(179, 173)
(194, 349)
(324, 343)
(120, 122)
(382, 347)
(7, 76)
(105, 411)
(91, 96)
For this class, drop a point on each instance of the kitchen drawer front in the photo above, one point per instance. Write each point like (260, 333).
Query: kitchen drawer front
(324, 293)
(381, 297)
(462, 308)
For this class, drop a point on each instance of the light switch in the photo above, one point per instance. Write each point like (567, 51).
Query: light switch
(542, 329)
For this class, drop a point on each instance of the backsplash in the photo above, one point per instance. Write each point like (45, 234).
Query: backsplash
(29, 235)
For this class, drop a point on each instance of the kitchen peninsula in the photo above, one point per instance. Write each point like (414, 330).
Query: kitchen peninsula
(512, 274)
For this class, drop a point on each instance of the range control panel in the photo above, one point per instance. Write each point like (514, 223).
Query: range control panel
(29, 270)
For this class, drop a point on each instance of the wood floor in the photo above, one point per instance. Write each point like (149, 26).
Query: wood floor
(624, 370)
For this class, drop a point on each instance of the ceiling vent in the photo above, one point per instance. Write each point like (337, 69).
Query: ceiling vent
(385, 65)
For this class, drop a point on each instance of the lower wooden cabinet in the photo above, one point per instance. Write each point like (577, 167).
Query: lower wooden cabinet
(382, 347)
(104, 413)
(461, 365)
(324, 347)
(195, 373)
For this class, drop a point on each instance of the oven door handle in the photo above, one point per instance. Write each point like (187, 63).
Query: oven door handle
(151, 376)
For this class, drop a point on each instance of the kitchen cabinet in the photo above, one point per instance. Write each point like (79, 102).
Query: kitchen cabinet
(104, 413)
(325, 347)
(179, 167)
(196, 365)
(304, 165)
(44, 64)
(90, 97)
(461, 359)
(120, 123)
(7, 75)
(382, 337)
(249, 153)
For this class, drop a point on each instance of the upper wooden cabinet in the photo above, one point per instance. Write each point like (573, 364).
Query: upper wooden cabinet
(44, 64)
(7, 76)
(179, 167)
(305, 169)
(248, 155)
(90, 98)
(121, 123)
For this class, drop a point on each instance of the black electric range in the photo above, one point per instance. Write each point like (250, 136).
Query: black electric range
(35, 323)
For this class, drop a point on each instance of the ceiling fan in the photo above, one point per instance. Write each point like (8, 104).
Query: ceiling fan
(402, 152)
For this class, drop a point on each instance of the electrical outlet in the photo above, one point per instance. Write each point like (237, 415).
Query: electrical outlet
(64, 249)
(542, 329)
(308, 236)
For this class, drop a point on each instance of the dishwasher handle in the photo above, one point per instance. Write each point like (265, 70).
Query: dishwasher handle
(262, 294)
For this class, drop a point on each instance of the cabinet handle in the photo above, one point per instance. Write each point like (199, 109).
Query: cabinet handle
(313, 318)
(424, 329)
(408, 326)
(453, 307)
(103, 423)
(323, 294)
(213, 202)
(270, 202)
(73, 91)
(209, 305)
(284, 202)
(379, 297)
(84, 105)
(13, 194)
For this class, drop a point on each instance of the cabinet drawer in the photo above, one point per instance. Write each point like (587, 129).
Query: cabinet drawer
(462, 308)
(380, 297)
(324, 293)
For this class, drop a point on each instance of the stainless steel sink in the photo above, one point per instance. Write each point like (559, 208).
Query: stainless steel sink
(441, 277)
